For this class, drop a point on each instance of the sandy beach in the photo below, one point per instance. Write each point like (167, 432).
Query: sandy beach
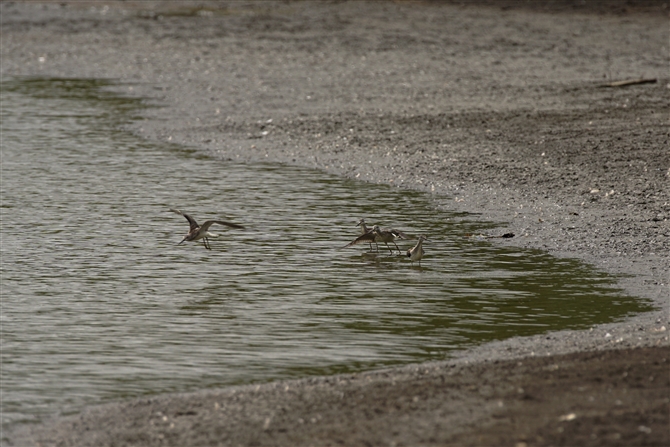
(511, 113)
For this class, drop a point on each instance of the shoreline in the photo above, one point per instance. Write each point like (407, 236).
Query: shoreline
(570, 167)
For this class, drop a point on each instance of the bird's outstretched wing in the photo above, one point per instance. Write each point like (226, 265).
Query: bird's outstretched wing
(398, 234)
(209, 223)
(367, 237)
(191, 221)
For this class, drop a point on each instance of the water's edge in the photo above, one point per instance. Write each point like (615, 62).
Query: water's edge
(461, 220)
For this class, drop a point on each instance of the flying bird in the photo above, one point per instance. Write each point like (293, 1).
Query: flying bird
(198, 232)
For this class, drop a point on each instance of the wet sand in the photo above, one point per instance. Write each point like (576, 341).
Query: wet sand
(500, 111)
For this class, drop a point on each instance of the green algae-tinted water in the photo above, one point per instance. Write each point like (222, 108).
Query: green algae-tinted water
(99, 303)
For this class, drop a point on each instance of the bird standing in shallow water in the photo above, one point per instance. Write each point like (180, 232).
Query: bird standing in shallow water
(377, 235)
(416, 253)
(198, 232)
(387, 235)
(365, 230)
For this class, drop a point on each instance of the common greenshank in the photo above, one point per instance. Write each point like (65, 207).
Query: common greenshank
(364, 230)
(377, 235)
(416, 253)
(198, 232)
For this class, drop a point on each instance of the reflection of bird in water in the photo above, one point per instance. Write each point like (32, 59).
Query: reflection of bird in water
(198, 232)
(416, 253)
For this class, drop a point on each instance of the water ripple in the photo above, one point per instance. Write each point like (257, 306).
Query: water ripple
(99, 302)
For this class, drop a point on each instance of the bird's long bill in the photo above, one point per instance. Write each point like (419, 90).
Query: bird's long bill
(181, 241)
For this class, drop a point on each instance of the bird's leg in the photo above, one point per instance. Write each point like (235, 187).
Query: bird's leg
(206, 242)
(387, 246)
(396, 246)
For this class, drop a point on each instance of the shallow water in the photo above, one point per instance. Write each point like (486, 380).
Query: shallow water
(100, 303)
